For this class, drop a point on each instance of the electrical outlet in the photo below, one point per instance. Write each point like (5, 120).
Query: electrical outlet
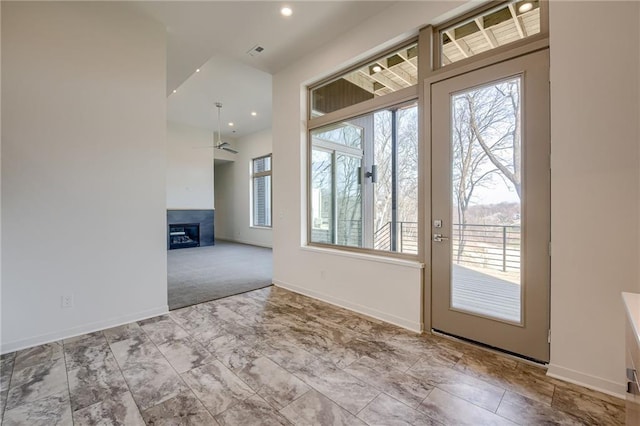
(322, 275)
(66, 301)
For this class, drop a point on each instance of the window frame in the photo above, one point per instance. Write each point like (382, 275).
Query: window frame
(255, 175)
(334, 150)
(432, 73)
(511, 49)
(394, 100)
(356, 109)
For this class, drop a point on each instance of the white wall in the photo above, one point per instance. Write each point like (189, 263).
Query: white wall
(388, 290)
(189, 167)
(83, 169)
(225, 195)
(0, 182)
(594, 133)
(232, 192)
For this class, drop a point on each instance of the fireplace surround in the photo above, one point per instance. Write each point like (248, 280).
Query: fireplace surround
(204, 218)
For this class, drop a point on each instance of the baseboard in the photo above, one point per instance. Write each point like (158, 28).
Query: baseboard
(592, 382)
(17, 345)
(249, 243)
(361, 309)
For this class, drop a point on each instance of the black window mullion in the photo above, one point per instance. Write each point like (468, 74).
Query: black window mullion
(394, 180)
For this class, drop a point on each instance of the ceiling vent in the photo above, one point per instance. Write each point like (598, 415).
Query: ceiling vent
(255, 50)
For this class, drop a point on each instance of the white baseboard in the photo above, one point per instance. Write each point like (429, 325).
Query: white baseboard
(250, 243)
(592, 382)
(361, 309)
(29, 342)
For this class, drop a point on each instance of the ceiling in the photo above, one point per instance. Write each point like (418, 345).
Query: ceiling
(215, 36)
(240, 88)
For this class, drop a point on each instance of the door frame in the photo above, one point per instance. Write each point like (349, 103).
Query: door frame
(528, 336)
(428, 37)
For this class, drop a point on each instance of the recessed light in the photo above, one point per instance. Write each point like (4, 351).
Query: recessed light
(231, 124)
(198, 70)
(254, 113)
(286, 11)
(376, 68)
(525, 7)
(174, 90)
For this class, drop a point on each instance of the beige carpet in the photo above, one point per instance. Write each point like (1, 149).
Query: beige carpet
(200, 274)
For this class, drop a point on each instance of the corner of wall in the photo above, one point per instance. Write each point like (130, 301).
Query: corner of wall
(637, 289)
(590, 180)
(83, 196)
(232, 192)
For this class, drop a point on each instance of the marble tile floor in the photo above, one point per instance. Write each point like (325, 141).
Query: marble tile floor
(273, 357)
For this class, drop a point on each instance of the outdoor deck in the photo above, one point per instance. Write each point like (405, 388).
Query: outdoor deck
(485, 294)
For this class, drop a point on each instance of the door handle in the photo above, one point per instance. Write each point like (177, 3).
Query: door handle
(632, 382)
(438, 238)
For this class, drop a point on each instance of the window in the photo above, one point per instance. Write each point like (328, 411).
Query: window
(495, 27)
(388, 74)
(363, 163)
(364, 181)
(261, 191)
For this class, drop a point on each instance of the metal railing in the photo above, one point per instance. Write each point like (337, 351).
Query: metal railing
(407, 233)
(349, 233)
(489, 246)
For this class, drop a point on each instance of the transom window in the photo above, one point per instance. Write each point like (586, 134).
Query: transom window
(504, 24)
(391, 72)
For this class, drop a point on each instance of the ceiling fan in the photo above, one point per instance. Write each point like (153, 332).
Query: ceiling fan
(219, 144)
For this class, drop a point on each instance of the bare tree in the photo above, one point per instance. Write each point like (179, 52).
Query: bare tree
(494, 109)
(486, 145)
(382, 160)
(348, 201)
(469, 163)
(345, 192)
(343, 167)
(406, 171)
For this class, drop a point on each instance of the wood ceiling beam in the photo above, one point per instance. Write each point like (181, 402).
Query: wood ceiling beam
(462, 46)
(405, 58)
(386, 81)
(361, 80)
(399, 73)
(487, 33)
(516, 20)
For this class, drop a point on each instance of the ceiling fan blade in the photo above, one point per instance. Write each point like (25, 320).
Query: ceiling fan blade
(229, 149)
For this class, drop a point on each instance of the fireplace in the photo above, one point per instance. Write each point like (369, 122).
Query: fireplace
(183, 235)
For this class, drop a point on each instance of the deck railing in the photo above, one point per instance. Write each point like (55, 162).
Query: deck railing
(489, 246)
(407, 235)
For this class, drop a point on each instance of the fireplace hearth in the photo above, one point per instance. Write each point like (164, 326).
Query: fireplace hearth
(183, 235)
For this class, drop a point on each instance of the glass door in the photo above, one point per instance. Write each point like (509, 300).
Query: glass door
(491, 205)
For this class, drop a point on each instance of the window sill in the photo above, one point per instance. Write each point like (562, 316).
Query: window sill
(269, 228)
(365, 256)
